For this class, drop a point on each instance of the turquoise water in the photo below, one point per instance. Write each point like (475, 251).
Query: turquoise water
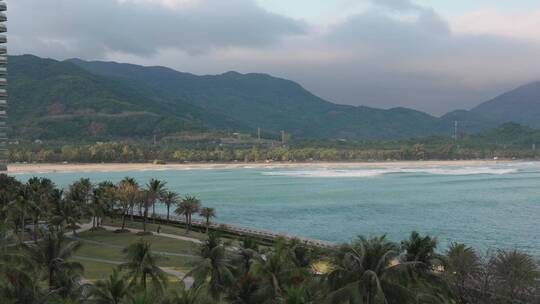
(487, 206)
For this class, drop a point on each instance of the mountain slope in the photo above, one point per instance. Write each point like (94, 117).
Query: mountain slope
(59, 100)
(274, 104)
(521, 105)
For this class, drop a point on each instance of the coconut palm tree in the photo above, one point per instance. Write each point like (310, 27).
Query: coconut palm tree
(169, 199)
(52, 253)
(516, 274)
(214, 268)
(142, 264)
(207, 213)
(156, 190)
(114, 290)
(462, 266)
(66, 213)
(187, 207)
(40, 191)
(128, 192)
(184, 295)
(368, 271)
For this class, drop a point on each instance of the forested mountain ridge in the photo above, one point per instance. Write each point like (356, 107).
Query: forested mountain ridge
(274, 104)
(520, 105)
(88, 101)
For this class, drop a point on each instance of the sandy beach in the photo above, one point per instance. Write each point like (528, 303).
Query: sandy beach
(121, 167)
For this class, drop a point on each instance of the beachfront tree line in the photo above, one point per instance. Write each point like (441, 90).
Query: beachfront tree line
(119, 152)
(37, 221)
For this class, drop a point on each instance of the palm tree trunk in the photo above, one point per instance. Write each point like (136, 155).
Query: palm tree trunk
(144, 281)
(187, 225)
(154, 212)
(207, 223)
(124, 221)
(35, 230)
(51, 279)
(22, 226)
(168, 207)
(144, 218)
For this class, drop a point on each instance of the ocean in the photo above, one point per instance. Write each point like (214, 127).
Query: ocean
(488, 206)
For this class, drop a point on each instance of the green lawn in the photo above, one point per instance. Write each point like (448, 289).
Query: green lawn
(112, 244)
(153, 228)
(94, 271)
(124, 239)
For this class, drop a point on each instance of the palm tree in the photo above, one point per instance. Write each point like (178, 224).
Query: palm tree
(186, 295)
(142, 264)
(53, 254)
(462, 267)
(128, 191)
(207, 213)
(516, 274)
(41, 192)
(65, 213)
(214, 268)
(421, 250)
(368, 272)
(114, 290)
(19, 208)
(187, 207)
(170, 198)
(145, 201)
(156, 190)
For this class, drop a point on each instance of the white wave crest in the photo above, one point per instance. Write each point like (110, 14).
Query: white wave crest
(329, 173)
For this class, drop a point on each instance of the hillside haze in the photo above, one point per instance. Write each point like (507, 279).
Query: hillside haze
(83, 100)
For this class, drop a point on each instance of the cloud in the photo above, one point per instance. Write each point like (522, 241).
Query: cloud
(518, 25)
(391, 53)
(141, 27)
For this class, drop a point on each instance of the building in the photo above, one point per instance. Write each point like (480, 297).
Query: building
(4, 155)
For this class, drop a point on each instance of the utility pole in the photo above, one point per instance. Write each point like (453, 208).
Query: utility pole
(283, 137)
(259, 134)
(456, 130)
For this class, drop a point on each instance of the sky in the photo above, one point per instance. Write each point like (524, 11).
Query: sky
(431, 55)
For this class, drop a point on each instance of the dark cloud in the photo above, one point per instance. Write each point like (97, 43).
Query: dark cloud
(93, 28)
(395, 53)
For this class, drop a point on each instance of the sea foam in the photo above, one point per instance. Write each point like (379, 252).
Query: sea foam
(365, 173)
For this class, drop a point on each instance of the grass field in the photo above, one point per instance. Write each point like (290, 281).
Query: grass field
(108, 246)
(153, 228)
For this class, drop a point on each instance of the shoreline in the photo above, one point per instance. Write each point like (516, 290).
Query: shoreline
(125, 167)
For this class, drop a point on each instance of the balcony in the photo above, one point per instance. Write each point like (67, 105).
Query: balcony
(3, 71)
(3, 50)
(3, 17)
(3, 103)
(3, 7)
(3, 39)
(3, 81)
(3, 93)
(3, 28)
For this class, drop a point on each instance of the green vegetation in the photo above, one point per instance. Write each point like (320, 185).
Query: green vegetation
(44, 259)
(507, 141)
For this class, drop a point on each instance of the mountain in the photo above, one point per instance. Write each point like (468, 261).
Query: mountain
(521, 105)
(52, 99)
(80, 100)
(273, 104)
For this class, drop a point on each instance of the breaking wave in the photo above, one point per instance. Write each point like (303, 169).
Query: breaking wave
(378, 172)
